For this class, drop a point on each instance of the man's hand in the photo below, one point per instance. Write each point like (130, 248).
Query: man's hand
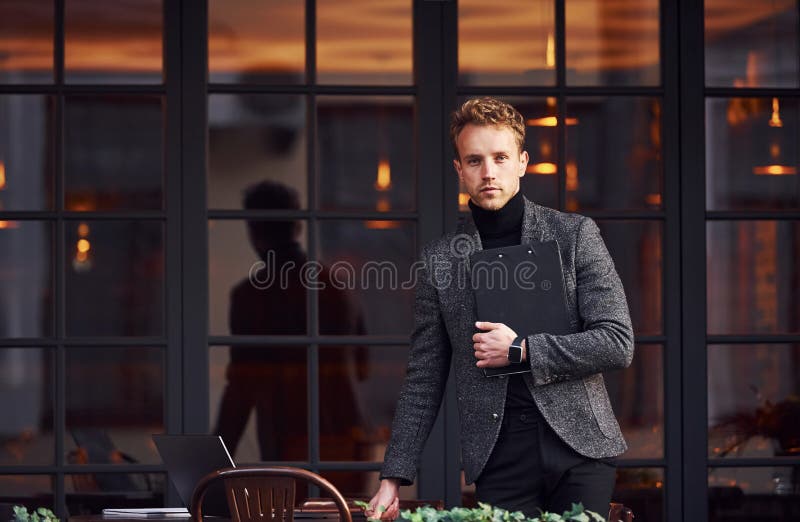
(385, 497)
(491, 346)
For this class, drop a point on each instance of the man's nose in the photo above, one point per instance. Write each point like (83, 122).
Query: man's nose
(488, 170)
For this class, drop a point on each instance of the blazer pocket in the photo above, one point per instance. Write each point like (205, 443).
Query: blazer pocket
(601, 405)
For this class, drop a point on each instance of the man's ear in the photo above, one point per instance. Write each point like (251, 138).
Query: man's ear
(523, 160)
(457, 165)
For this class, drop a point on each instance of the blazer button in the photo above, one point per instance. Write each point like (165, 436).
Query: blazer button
(495, 416)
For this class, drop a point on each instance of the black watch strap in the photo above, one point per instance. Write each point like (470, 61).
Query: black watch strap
(515, 350)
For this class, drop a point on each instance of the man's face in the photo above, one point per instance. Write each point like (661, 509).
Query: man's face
(490, 164)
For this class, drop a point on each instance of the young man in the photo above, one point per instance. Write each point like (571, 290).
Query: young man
(537, 440)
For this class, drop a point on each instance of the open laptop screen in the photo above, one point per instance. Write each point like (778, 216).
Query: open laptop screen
(189, 458)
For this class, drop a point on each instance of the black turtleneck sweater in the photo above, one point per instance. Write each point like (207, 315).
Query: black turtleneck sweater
(499, 228)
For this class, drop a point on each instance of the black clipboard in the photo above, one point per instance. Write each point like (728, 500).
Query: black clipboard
(521, 286)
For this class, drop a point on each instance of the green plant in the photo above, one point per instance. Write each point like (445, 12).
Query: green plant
(487, 513)
(38, 515)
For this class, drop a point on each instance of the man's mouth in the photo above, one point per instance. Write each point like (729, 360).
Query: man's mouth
(489, 189)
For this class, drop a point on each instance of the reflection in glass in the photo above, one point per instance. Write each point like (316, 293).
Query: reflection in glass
(751, 44)
(252, 138)
(636, 247)
(751, 153)
(371, 262)
(366, 153)
(113, 152)
(26, 376)
(26, 285)
(26, 41)
(614, 158)
(128, 33)
(26, 152)
(637, 395)
(357, 484)
(31, 491)
(754, 400)
(90, 493)
(641, 490)
(114, 278)
(256, 42)
(359, 386)
(753, 278)
(255, 279)
(739, 493)
(362, 42)
(272, 382)
(511, 42)
(113, 427)
(613, 43)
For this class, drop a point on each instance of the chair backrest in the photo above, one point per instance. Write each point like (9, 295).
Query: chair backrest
(263, 494)
(619, 513)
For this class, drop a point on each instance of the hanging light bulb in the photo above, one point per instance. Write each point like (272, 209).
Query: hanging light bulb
(81, 261)
(776, 166)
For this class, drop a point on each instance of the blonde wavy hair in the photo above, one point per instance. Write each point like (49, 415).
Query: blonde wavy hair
(487, 111)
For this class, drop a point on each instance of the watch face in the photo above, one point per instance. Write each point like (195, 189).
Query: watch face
(515, 354)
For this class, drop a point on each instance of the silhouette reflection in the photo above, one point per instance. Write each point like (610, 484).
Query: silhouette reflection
(273, 379)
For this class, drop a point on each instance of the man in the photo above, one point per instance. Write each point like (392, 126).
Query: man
(537, 440)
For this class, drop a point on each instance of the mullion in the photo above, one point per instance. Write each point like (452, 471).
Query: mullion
(298, 340)
(543, 90)
(333, 90)
(280, 215)
(752, 92)
(788, 338)
(727, 215)
(311, 301)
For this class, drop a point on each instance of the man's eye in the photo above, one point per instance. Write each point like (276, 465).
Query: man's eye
(473, 162)
(502, 158)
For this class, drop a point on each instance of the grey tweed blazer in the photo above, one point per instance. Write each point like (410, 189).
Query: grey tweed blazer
(565, 378)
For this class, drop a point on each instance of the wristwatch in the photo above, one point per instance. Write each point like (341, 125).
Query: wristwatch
(515, 351)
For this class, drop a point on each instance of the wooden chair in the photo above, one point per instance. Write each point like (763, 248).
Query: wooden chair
(619, 513)
(263, 494)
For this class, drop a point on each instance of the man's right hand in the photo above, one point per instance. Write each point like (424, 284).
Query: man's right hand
(387, 497)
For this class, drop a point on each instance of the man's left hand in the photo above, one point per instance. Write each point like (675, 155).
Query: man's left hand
(491, 346)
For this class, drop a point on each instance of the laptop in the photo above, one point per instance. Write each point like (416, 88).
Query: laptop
(189, 458)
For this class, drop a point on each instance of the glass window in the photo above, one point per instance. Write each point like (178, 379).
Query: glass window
(90, 493)
(269, 382)
(758, 492)
(641, 490)
(26, 41)
(257, 272)
(751, 153)
(614, 158)
(753, 278)
(256, 42)
(114, 278)
(31, 491)
(113, 427)
(26, 278)
(26, 152)
(26, 377)
(510, 42)
(366, 158)
(357, 484)
(358, 391)
(113, 42)
(254, 138)
(637, 395)
(754, 400)
(636, 247)
(751, 44)
(361, 42)
(113, 152)
(369, 264)
(613, 43)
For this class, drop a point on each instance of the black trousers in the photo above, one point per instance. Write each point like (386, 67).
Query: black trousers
(532, 470)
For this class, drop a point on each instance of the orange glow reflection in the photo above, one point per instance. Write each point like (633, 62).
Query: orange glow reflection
(2, 175)
(542, 168)
(384, 180)
(775, 170)
(549, 121)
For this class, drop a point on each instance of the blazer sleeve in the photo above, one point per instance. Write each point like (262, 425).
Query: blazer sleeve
(606, 339)
(426, 379)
